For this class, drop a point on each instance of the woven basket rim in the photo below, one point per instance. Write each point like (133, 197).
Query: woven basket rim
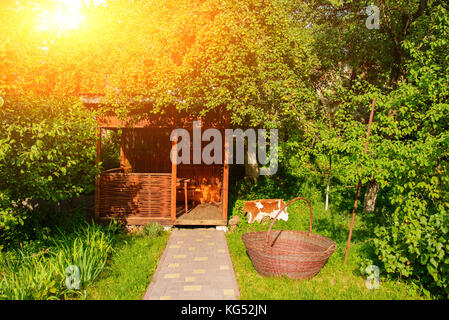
(261, 244)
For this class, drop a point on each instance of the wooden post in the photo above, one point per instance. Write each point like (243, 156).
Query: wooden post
(185, 196)
(357, 194)
(328, 183)
(225, 191)
(124, 162)
(173, 179)
(97, 179)
(225, 178)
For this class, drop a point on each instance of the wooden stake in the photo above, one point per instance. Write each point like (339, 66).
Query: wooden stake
(328, 183)
(225, 180)
(357, 194)
(185, 196)
(173, 179)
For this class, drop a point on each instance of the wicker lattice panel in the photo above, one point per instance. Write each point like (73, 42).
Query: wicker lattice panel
(135, 194)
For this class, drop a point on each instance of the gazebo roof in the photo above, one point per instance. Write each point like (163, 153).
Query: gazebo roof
(169, 118)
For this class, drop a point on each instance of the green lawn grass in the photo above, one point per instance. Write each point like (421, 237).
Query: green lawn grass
(335, 280)
(130, 269)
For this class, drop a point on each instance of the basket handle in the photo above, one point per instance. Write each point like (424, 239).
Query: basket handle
(284, 207)
(252, 229)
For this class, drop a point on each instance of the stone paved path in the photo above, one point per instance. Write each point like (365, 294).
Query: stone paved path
(195, 265)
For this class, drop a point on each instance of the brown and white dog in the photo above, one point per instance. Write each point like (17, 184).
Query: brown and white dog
(257, 209)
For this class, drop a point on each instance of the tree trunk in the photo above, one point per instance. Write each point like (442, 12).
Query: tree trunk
(371, 196)
(396, 69)
(251, 166)
(252, 171)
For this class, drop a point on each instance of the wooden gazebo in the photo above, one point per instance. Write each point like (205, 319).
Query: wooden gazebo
(148, 187)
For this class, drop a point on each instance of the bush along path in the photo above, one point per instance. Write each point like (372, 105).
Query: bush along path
(195, 265)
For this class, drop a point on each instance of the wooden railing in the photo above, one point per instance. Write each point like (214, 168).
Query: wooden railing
(134, 194)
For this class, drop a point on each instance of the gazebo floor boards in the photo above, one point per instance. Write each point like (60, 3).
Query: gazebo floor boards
(205, 214)
(167, 221)
(201, 215)
(203, 222)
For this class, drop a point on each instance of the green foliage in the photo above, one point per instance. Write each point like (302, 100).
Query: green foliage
(404, 67)
(249, 57)
(47, 149)
(414, 243)
(153, 230)
(11, 220)
(110, 149)
(47, 152)
(281, 186)
(32, 273)
(130, 269)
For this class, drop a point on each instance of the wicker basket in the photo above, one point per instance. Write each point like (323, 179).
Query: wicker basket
(296, 254)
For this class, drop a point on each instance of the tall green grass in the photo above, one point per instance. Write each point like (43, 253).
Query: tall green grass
(87, 248)
(130, 269)
(29, 277)
(39, 275)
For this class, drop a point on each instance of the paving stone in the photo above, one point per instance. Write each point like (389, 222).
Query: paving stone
(195, 265)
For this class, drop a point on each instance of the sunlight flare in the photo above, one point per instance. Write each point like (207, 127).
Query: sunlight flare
(66, 15)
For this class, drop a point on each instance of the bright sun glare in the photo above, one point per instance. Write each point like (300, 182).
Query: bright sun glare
(67, 15)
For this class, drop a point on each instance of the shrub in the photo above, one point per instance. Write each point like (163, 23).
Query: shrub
(11, 220)
(414, 242)
(47, 149)
(47, 153)
(152, 230)
(416, 246)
